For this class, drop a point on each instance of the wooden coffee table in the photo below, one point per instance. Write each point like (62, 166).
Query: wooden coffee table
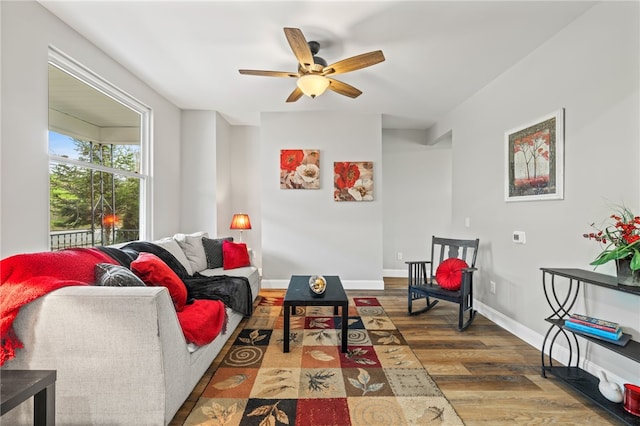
(299, 294)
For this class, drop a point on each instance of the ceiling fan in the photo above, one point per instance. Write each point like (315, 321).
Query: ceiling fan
(313, 72)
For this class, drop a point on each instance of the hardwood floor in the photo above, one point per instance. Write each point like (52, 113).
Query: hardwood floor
(490, 376)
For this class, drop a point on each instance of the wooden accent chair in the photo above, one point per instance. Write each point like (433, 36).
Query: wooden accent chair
(424, 286)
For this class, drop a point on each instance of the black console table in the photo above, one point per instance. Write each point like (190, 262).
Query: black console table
(561, 288)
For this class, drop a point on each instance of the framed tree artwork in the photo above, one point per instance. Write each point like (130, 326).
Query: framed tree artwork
(534, 159)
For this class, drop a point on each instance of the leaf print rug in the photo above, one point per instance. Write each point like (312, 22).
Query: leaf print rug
(378, 381)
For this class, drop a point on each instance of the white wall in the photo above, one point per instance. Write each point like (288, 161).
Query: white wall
(224, 174)
(246, 185)
(417, 203)
(2, 179)
(416, 186)
(204, 182)
(27, 31)
(306, 231)
(591, 68)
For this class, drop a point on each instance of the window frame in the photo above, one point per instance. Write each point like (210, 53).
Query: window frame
(86, 76)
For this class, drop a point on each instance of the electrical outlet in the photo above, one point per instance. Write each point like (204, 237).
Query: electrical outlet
(493, 287)
(399, 255)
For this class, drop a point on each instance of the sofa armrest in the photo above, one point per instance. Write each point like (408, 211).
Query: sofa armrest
(111, 346)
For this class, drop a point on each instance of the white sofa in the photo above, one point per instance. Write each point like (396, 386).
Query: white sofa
(120, 354)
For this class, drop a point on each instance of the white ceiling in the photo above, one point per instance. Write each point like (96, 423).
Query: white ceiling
(438, 53)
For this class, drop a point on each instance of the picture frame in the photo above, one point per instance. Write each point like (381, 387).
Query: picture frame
(534, 159)
(353, 181)
(299, 168)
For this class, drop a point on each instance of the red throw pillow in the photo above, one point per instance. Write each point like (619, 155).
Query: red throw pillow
(234, 255)
(449, 273)
(154, 272)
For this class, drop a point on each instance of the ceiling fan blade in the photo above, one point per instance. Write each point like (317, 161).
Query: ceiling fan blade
(354, 63)
(299, 46)
(295, 95)
(344, 88)
(269, 73)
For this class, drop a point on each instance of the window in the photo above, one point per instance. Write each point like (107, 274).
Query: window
(98, 150)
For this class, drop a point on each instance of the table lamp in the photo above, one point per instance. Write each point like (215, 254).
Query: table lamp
(240, 221)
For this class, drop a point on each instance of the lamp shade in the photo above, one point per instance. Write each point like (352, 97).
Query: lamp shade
(240, 221)
(313, 85)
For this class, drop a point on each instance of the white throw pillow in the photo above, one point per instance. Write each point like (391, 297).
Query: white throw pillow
(191, 245)
(172, 246)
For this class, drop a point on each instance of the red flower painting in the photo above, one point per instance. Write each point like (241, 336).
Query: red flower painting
(353, 181)
(299, 169)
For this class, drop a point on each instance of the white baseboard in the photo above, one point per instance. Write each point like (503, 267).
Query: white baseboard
(515, 328)
(395, 273)
(560, 353)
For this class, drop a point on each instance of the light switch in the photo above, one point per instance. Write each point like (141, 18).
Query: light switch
(519, 237)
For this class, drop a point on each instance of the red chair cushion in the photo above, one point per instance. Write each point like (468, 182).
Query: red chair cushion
(234, 255)
(154, 272)
(449, 273)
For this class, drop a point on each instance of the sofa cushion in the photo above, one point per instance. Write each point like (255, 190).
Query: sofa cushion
(191, 245)
(234, 255)
(116, 276)
(213, 251)
(202, 321)
(154, 272)
(172, 246)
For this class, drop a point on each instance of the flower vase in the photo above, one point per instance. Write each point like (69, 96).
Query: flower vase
(626, 276)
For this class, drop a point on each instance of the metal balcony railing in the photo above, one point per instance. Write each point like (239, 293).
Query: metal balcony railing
(59, 240)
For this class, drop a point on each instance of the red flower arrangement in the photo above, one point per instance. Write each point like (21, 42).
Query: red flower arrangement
(622, 239)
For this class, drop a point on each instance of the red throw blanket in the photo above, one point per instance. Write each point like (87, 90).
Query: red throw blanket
(25, 277)
(202, 321)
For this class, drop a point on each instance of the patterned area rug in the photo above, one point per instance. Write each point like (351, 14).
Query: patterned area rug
(379, 381)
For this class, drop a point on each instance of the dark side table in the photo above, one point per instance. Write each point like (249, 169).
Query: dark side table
(299, 294)
(17, 386)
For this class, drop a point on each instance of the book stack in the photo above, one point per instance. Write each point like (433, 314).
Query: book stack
(595, 327)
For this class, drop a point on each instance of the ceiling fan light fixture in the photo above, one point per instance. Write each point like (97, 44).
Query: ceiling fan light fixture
(313, 85)
(312, 69)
